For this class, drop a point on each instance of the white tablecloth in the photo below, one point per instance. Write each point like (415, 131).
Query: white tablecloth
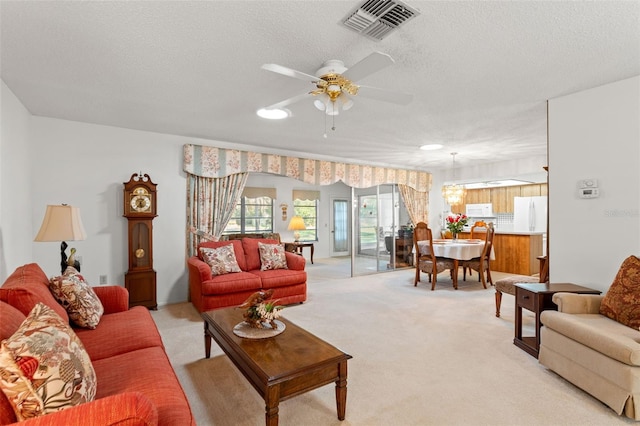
(461, 250)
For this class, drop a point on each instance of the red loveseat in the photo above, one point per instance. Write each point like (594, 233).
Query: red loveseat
(136, 384)
(209, 291)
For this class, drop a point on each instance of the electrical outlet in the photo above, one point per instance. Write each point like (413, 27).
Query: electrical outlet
(103, 279)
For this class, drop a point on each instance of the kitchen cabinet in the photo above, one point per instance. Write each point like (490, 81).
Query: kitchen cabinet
(533, 190)
(500, 197)
(516, 252)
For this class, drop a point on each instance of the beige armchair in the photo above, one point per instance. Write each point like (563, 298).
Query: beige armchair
(597, 354)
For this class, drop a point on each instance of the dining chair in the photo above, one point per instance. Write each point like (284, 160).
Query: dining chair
(428, 262)
(478, 232)
(482, 264)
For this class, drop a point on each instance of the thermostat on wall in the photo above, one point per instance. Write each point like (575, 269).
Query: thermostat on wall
(588, 193)
(588, 183)
(588, 188)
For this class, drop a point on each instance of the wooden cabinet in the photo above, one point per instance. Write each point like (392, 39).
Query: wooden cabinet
(501, 198)
(515, 253)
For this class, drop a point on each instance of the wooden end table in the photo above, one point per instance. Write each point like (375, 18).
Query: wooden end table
(537, 298)
(298, 246)
(279, 367)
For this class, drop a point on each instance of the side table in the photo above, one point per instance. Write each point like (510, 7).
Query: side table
(297, 248)
(537, 298)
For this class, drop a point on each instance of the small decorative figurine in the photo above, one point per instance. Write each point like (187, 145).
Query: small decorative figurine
(72, 261)
(260, 309)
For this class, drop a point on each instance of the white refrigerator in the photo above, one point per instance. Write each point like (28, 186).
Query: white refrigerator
(530, 214)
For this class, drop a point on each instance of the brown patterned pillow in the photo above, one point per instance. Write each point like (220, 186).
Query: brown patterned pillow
(272, 256)
(622, 301)
(222, 260)
(44, 367)
(77, 297)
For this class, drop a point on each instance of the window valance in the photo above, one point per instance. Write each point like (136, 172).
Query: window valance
(255, 192)
(214, 162)
(303, 194)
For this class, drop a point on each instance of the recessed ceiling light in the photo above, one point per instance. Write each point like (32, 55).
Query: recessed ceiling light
(273, 114)
(431, 147)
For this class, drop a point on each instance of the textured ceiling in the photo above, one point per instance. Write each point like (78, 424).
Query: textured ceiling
(480, 71)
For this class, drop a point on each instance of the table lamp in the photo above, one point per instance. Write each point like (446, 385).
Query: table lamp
(296, 224)
(62, 223)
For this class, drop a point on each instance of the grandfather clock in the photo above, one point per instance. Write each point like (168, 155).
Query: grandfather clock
(140, 210)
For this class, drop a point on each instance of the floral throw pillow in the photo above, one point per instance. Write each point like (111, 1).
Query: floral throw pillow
(272, 256)
(44, 367)
(222, 260)
(77, 297)
(622, 301)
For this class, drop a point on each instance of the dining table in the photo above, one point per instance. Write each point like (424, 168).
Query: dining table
(456, 250)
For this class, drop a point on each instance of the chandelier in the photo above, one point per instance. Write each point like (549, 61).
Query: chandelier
(454, 194)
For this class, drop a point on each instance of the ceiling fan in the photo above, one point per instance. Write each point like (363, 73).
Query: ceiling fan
(335, 84)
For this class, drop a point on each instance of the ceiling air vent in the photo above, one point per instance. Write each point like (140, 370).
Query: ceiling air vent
(377, 19)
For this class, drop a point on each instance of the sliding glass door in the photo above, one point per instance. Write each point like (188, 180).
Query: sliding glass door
(378, 215)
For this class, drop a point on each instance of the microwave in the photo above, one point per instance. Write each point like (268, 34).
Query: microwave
(480, 210)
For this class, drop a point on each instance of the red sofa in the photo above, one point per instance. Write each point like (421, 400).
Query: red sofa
(218, 291)
(136, 384)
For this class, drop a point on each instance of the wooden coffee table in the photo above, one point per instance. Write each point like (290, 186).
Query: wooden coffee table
(279, 367)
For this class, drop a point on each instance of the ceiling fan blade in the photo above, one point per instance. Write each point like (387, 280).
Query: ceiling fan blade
(289, 72)
(289, 101)
(369, 65)
(385, 95)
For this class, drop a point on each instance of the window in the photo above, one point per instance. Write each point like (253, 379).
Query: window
(251, 215)
(308, 210)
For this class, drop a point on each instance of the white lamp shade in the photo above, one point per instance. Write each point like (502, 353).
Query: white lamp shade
(61, 223)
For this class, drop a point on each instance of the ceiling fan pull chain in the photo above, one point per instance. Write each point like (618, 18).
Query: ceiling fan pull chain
(325, 126)
(333, 119)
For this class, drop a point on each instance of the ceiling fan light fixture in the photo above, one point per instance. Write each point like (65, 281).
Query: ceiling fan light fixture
(273, 114)
(319, 104)
(332, 108)
(334, 88)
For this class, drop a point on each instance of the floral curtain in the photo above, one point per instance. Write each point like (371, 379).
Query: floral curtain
(210, 204)
(213, 162)
(417, 204)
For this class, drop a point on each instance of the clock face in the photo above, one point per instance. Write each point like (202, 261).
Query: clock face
(141, 203)
(140, 200)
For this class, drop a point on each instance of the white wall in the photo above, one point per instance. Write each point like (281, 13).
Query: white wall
(16, 231)
(85, 165)
(594, 134)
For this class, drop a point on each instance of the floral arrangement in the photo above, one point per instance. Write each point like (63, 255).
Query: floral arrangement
(260, 309)
(456, 223)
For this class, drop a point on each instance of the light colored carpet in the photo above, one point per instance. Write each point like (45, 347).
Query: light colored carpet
(420, 357)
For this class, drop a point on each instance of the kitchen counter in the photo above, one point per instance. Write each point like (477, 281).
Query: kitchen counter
(499, 231)
(516, 252)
